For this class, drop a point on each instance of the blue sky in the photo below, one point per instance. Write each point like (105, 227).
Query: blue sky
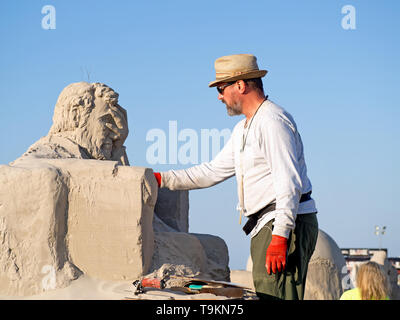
(340, 85)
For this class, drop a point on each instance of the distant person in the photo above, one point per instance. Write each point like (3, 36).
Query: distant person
(372, 284)
(266, 154)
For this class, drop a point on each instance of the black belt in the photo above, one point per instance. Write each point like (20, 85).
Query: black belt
(252, 222)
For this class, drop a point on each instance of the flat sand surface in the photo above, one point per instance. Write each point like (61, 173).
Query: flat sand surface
(86, 288)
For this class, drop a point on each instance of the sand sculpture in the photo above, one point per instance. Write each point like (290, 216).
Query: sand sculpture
(327, 272)
(72, 205)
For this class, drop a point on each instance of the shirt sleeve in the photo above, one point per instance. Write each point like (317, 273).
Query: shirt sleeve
(204, 175)
(280, 148)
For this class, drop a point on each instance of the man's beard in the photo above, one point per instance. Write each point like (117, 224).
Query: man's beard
(95, 145)
(233, 109)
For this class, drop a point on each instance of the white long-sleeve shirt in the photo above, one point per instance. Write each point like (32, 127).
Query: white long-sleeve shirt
(274, 169)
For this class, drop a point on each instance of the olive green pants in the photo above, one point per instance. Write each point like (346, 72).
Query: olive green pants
(289, 284)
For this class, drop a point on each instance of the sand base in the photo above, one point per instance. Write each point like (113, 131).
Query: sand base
(86, 288)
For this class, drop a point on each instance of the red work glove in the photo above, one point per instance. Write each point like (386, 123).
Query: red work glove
(158, 178)
(276, 254)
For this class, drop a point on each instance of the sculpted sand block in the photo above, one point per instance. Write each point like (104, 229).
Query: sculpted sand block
(73, 216)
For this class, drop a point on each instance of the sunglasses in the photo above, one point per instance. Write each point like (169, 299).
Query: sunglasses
(221, 89)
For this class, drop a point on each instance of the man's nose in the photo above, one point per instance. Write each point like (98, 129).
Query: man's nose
(220, 96)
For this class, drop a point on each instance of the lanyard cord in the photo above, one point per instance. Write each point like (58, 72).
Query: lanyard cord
(241, 208)
(248, 129)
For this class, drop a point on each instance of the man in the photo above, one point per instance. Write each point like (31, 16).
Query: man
(265, 152)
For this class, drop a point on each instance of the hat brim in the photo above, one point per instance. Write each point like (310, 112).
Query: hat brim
(243, 76)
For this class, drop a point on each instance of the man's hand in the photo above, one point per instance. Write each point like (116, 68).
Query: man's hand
(158, 178)
(276, 254)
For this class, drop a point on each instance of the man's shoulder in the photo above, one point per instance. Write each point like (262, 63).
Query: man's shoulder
(272, 112)
(55, 146)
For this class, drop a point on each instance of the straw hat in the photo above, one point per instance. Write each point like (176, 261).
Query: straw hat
(236, 67)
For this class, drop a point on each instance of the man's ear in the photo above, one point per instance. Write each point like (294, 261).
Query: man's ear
(241, 86)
